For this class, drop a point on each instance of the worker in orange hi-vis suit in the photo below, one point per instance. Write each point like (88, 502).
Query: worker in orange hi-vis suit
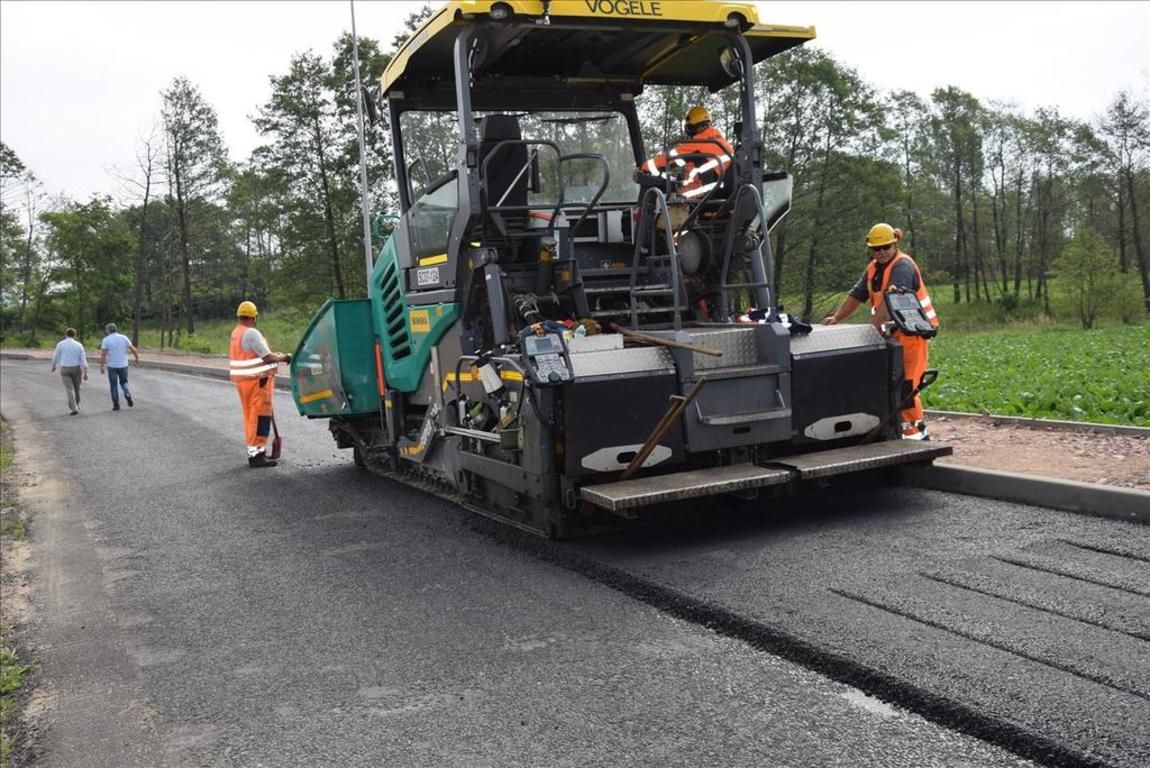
(891, 269)
(698, 178)
(253, 367)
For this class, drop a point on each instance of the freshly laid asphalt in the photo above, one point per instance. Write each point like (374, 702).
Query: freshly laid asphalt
(190, 611)
(1025, 625)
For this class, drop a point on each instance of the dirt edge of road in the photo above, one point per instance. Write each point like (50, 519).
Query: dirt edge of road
(17, 724)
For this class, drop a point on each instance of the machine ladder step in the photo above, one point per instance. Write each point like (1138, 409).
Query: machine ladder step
(643, 491)
(857, 458)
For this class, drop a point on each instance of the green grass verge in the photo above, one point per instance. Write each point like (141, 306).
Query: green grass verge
(11, 521)
(1100, 376)
(282, 330)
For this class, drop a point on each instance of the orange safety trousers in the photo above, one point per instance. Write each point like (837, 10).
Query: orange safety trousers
(914, 362)
(256, 401)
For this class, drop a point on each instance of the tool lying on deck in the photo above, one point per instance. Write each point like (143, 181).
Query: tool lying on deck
(647, 338)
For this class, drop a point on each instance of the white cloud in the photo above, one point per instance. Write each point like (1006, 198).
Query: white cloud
(80, 81)
(1075, 56)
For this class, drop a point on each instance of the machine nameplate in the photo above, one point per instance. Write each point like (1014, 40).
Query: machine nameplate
(419, 320)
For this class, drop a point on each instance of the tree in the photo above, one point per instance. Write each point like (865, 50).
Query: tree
(1127, 129)
(955, 137)
(1049, 140)
(1089, 267)
(821, 116)
(94, 275)
(305, 157)
(196, 162)
(148, 159)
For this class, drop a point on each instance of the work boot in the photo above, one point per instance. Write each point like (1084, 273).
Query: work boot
(129, 399)
(261, 460)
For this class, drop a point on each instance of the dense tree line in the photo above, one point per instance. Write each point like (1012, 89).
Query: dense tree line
(994, 202)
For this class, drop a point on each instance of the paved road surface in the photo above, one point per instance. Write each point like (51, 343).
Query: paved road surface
(191, 611)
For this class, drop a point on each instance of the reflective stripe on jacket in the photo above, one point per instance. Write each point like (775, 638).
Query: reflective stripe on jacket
(243, 363)
(922, 294)
(702, 178)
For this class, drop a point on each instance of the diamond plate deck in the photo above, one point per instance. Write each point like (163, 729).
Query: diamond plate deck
(857, 458)
(826, 338)
(736, 343)
(644, 491)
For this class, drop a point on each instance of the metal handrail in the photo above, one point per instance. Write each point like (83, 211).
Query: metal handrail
(760, 270)
(660, 201)
(530, 158)
(598, 194)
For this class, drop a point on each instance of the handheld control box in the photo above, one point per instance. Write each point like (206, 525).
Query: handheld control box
(548, 361)
(908, 315)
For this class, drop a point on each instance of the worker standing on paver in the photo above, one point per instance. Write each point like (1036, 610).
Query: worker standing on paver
(114, 349)
(892, 270)
(698, 178)
(253, 369)
(73, 363)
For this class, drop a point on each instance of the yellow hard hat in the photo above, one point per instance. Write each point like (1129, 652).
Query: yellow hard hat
(882, 234)
(698, 115)
(247, 309)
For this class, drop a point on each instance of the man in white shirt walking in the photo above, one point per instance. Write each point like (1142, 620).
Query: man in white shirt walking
(73, 363)
(114, 351)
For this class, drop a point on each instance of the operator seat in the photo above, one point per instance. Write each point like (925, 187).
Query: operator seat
(505, 164)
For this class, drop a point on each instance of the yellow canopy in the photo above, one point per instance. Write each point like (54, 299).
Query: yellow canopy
(634, 42)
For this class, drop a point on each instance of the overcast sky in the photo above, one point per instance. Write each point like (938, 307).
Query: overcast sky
(80, 82)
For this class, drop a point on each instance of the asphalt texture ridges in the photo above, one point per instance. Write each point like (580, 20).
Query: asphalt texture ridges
(1028, 658)
(191, 611)
(935, 707)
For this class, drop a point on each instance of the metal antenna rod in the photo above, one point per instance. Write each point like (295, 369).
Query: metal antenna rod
(362, 152)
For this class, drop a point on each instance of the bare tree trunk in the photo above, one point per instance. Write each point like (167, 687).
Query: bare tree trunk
(980, 279)
(1123, 263)
(780, 251)
(1020, 236)
(27, 262)
(959, 242)
(998, 203)
(809, 272)
(138, 297)
(1139, 251)
(329, 219)
(185, 262)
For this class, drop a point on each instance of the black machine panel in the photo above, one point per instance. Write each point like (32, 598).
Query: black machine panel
(600, 416)
(818, 391)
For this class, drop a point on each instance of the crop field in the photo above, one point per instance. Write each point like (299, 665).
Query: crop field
(1100, 376)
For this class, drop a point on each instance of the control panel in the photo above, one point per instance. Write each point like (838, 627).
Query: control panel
(548, 361)
(908, 315)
